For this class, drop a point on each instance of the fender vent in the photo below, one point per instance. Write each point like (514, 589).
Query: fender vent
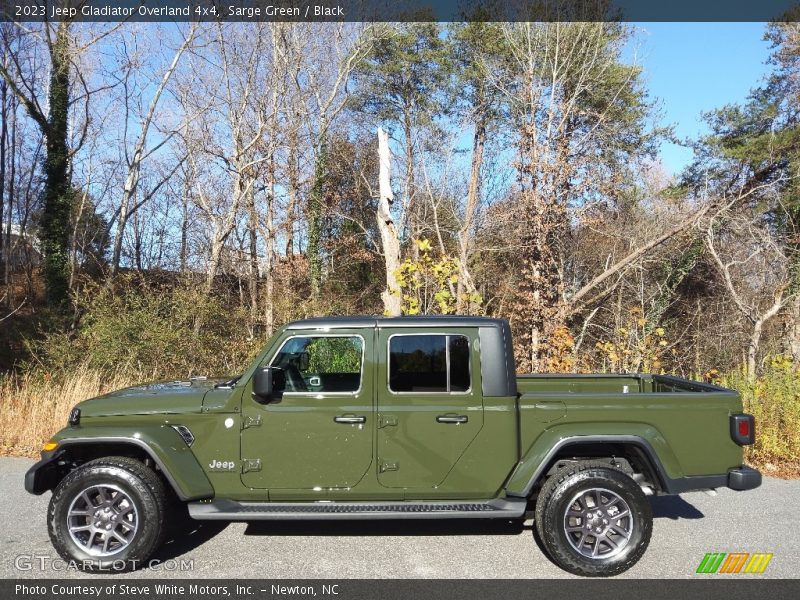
(184, 432)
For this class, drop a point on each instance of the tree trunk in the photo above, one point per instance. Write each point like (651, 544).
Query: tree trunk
(389, 240)
(752, 348)
(137, 243)
(184, 250)
(252, 230)
(3, 134)
(411, 220)
(73, 245)
(55, 218)
(465, 283)
(316, 203)
(128, 190)
(793, 331)
(294, 187)
(269, 243)
(12, 179)
(217, 245)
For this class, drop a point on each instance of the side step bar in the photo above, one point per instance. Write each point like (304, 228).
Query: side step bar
(230, 510)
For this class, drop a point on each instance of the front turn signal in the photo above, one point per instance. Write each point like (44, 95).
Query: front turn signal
(49, 446)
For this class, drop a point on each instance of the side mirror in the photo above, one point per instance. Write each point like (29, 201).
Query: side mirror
(262, 384)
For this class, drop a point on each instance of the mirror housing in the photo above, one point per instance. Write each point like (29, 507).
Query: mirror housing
(262, 384)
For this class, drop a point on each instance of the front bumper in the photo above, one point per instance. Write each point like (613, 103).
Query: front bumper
(743, 478)
(44, 475)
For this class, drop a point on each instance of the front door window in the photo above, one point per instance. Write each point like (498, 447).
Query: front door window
(325, 364)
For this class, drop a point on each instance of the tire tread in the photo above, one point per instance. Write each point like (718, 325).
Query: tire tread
(564, 557)
(145, 476)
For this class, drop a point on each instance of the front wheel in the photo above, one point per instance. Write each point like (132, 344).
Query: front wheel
(593, 520)
(108, 514)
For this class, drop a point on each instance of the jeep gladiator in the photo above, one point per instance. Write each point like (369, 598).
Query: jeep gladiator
(391, 418)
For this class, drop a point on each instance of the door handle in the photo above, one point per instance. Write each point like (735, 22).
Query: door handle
(350, 420)
(451, 419)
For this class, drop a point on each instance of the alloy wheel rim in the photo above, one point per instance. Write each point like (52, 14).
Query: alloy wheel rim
(598, 523)
(102, 520)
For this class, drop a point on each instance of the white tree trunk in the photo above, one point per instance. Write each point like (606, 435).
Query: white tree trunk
(389, 240)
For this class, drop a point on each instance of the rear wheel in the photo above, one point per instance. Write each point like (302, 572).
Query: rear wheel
(108, 514)
(593, 520)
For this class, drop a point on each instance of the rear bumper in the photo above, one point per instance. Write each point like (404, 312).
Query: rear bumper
(739, 479)
(743, 478)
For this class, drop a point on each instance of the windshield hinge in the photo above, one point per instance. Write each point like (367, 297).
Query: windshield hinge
(251, 464)
(250, 421)
(388, 466)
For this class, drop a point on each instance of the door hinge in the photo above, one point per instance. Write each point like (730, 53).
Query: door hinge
(386, 421)
(250, 421)
(251, 464)
(389, 466)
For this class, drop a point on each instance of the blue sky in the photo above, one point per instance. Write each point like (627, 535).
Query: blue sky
(696, 67)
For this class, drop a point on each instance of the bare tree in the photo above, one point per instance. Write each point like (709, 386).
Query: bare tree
(563, 84)
(226, 144)
(128, 202)
(754, 270)
(328, 62)
(64, 123)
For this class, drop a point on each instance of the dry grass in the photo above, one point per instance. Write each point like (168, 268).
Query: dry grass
(35, 405)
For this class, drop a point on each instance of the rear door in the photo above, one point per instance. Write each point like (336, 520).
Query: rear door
(429, 404)
(316, 433)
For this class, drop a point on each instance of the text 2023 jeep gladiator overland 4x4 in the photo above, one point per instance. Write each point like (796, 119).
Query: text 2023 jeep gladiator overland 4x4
(381, 418)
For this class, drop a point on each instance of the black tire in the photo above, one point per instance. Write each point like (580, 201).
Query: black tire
(145, 490)
(556, 497)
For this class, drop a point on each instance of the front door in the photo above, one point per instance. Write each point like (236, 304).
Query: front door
(316, 432)
(429, 405)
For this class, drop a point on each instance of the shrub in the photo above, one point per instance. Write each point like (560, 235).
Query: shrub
(151, 331)
(774, 400)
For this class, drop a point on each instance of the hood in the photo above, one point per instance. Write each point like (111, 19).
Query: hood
(167, 397)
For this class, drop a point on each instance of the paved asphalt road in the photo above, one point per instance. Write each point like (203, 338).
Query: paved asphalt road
(686, 527)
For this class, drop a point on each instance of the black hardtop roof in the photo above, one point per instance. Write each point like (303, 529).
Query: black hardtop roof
(357, 322)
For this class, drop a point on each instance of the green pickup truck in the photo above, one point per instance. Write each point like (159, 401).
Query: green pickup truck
(391, 418)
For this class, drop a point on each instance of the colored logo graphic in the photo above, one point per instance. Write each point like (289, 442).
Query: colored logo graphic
(734, 562)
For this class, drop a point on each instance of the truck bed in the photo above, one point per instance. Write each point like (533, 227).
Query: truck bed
(687, 421)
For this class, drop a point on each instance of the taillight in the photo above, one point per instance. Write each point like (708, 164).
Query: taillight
(743, 429)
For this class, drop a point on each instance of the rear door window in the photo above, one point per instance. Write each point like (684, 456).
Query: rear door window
(429, 363)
